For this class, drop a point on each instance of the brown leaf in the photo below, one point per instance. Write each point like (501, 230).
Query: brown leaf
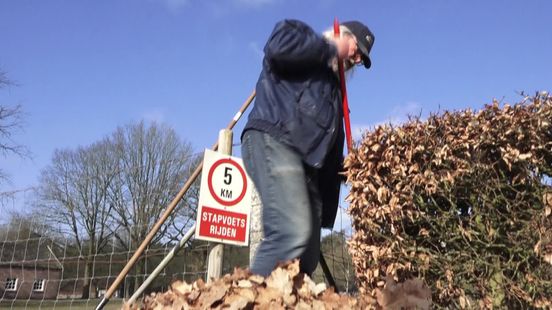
(547, 199)
(319, 288)
(179, 303)
(267, 295)
(236, 302)
(301, 305)
(293, 268)
(244, 283)
(213, 294)
(193, 296)
(304, 286)
(410, 294)
(548, 258)
(537, 247)
(382, 194)
(280, 280)
(330, 297)
(199, 284)
(249, 293)
(273, 305)
(524, 156)
(257, 279)
(317, 304)
(181, 288)
(239, 274)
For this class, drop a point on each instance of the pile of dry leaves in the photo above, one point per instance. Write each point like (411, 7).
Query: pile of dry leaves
(285, 288)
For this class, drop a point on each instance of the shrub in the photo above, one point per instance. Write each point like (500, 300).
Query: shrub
(462, 200)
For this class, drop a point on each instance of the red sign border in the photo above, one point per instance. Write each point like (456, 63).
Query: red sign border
(210, 182)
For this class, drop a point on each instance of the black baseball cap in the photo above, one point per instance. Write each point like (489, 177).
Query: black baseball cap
(365, 39)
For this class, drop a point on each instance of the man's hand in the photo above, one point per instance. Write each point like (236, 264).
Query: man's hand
(346, 47)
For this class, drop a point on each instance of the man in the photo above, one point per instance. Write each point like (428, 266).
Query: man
(292, 144)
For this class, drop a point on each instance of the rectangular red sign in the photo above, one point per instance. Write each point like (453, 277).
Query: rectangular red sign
(222, 224)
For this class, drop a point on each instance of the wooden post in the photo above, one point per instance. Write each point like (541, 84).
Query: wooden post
(214, 266)
(256, 228)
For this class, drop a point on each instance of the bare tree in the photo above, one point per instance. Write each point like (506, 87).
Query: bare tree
(11, 121)
(153, 164)
(119, 187)
(73, 194)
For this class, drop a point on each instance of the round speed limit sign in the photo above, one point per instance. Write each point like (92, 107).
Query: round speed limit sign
(227, 182)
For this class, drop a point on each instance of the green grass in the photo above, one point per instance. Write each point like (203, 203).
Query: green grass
(113, 304)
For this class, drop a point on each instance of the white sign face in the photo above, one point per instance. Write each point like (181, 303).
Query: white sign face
(224, 200)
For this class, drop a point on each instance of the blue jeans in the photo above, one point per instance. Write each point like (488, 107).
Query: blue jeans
(291, 203)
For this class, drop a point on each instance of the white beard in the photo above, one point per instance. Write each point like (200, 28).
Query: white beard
(347, 65)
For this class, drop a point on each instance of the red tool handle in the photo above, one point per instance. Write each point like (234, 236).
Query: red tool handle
(344, 94)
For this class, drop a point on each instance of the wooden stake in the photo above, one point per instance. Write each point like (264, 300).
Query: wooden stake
(214, 266)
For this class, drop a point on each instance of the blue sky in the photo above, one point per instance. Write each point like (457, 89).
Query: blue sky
(86, 67)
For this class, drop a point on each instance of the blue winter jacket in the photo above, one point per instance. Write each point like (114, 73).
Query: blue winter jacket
(298, 103)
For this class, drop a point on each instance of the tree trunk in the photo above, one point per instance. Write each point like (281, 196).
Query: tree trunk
(86, 279)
